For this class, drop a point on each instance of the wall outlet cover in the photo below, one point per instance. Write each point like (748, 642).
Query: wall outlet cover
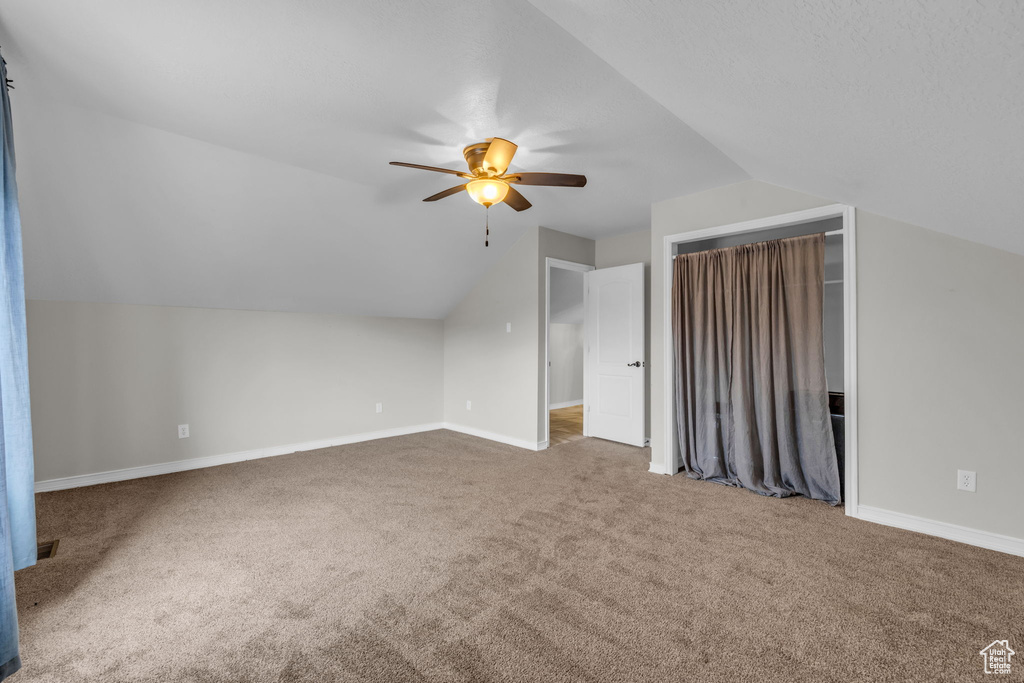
(380, 407)
(508, 327)
(182, 431)
(469, 405)
(966, 480)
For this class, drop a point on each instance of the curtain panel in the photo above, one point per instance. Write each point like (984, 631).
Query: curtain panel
(751, 399)
(17, 498)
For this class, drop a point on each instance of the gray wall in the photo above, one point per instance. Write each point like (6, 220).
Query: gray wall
(501, 372)
(566, 296)
(621, 250)
(939, 329)
(111, 382)
(566, 353)
(834, 337)
(565, 339)
(495, 369)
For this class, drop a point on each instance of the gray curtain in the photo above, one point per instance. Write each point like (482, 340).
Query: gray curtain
(751, 401)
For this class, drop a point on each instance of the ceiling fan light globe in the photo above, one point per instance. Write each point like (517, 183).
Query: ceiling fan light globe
(487, 191)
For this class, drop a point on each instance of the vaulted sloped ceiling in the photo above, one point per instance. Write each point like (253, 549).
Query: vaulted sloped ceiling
(234, 153)
(911, 109)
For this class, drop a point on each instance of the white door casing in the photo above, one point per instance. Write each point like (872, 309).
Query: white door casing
(614, 374)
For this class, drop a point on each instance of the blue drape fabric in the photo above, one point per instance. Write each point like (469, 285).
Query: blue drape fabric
(17, 499)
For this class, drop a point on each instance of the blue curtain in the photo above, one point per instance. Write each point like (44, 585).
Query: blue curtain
(17, 500)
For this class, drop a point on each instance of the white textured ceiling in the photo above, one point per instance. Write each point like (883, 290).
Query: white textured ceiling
(234, 154)
(911, 109)
(291, 205)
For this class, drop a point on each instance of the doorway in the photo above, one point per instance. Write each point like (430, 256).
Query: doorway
(564, 350)
(595, 369)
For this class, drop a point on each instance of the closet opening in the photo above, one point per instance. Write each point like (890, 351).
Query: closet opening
(722, 408)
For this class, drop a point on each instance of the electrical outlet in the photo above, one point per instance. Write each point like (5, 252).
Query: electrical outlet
(966, 480)
(508, 327)
(182, 431)
(380, 407)
(469, 405)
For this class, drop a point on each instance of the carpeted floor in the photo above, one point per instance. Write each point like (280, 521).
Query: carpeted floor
(442, 557)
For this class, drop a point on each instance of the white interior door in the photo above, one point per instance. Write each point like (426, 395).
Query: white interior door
(614, 374)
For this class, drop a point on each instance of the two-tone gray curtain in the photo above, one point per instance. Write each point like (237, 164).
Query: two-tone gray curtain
(751, 400)
(17, 502)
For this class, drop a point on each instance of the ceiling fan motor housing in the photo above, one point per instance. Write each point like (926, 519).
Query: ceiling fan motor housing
(475, 154)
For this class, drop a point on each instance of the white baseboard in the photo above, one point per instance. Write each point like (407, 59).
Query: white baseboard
(500, 438)
(565, 404)
(224, 459)
(954, 532)
(657, 468)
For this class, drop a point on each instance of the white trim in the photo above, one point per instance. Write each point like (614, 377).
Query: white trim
(759, 224)
(851, 494)
(586, 356)
(500, 438)
(953, 532)
(224, 459)
(657, 468)
(565, 404)
(849, 232)
(550, 263)
(671, 463)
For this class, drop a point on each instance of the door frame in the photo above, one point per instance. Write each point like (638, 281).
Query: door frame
(550, 263)
(849, 233)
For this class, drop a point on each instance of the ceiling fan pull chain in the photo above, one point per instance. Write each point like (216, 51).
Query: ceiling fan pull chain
(487, 222)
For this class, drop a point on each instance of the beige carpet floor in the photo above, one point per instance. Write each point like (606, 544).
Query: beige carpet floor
(442, 557)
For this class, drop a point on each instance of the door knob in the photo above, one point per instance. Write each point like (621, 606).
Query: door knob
(637, 364)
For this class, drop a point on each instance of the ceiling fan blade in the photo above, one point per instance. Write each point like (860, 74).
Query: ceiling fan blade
(550, 179)
(516, 200)
(446, 193)
(430, 168)
(499, 155)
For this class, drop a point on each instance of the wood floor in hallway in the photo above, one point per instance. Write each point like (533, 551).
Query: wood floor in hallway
(566, 425)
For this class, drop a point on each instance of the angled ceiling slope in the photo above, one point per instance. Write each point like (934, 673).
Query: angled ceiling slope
(913, 110)
(234, 154)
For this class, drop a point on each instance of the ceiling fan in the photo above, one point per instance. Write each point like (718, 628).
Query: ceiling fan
(489, 183)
